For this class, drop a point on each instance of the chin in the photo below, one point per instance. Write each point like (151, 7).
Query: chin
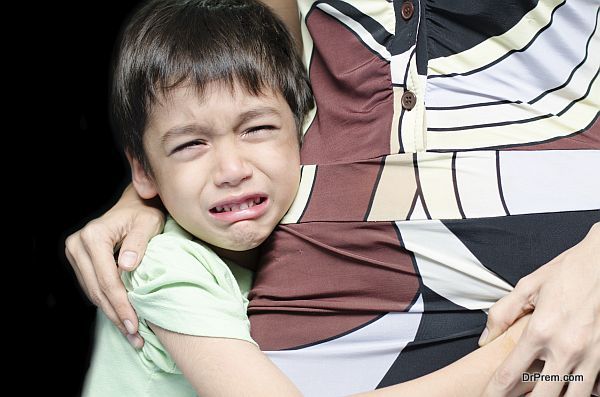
(244, 240)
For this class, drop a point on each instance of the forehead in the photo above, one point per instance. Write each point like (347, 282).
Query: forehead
(218, 108)
(233, 97)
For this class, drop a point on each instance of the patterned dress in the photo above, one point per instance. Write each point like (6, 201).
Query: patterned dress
(454, 149)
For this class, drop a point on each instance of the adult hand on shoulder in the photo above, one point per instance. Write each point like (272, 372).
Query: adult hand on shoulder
(130, 223)
(564, 329)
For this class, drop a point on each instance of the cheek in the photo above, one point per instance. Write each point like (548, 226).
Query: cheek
(180, 188)
(286, 173)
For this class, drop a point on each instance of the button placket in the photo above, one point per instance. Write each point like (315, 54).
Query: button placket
(410, 121)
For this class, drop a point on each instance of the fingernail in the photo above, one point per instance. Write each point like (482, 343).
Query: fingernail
(127, 259)
(129, 327)
(483, 336)
(134, 341)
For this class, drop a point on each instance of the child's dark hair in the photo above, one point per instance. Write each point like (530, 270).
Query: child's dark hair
(170, 42)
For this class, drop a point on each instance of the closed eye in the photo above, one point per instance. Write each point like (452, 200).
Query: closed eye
(259, 129)
(188, 145)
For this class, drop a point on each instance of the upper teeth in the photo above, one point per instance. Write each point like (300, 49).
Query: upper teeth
(239, 206)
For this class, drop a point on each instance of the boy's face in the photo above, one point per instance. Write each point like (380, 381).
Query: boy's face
(227, 167)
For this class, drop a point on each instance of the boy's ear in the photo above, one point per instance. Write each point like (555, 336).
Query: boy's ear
(142, 182)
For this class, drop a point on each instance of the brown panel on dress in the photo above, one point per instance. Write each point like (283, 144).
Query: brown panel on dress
(353, 91)
(589, 139)
(280, 331)
(342, 192)
(318, 280)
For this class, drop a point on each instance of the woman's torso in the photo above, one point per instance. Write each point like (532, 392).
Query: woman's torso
(416, 212)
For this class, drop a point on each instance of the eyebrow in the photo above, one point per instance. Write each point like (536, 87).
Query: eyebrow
(194, 128)
(255, 113)
(189, 129)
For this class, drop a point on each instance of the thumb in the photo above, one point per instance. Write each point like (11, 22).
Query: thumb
(135, 243)
(129, 258)
(508, 310)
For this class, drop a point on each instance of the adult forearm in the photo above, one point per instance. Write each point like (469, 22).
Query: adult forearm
(131, 197)
(287, 11)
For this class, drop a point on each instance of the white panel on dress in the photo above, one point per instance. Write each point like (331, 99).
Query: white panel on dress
(547, 63)
(550, 180)
(307, 179)
(477, 183)
(418, 212)
(556, 101)
(481, 115)
(354, 362)
(399, 64)
(448, 268)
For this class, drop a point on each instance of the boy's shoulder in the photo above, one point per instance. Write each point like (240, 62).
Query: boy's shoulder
(175, 254)
(174, 236)
(177, 261)
(176, 251)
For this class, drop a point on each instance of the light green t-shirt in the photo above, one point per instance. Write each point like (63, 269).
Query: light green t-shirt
(182, 286)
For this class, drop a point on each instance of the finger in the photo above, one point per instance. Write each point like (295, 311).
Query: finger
(73, 264)
(524, 388)
(509, 374)
(94, 292)
(106, 286)
(135, 242)
(521, 388)
(104, 305)
(97, 297)
(582, 387)
(114, 291)
(110, 285)
(135, 341)
(507, 310)
(134, 338)
(551, 382)
(82, 266)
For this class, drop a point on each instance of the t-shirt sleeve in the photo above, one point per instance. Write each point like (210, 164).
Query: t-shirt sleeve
(183, 287)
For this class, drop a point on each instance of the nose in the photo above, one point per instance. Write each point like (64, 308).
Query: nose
(231, 167)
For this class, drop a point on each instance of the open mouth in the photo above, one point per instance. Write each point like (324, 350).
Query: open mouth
(234, 207)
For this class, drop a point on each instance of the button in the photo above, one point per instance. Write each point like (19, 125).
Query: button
(407, 10)
(409, 100)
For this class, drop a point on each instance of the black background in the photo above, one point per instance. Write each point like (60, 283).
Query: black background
(80, 174)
